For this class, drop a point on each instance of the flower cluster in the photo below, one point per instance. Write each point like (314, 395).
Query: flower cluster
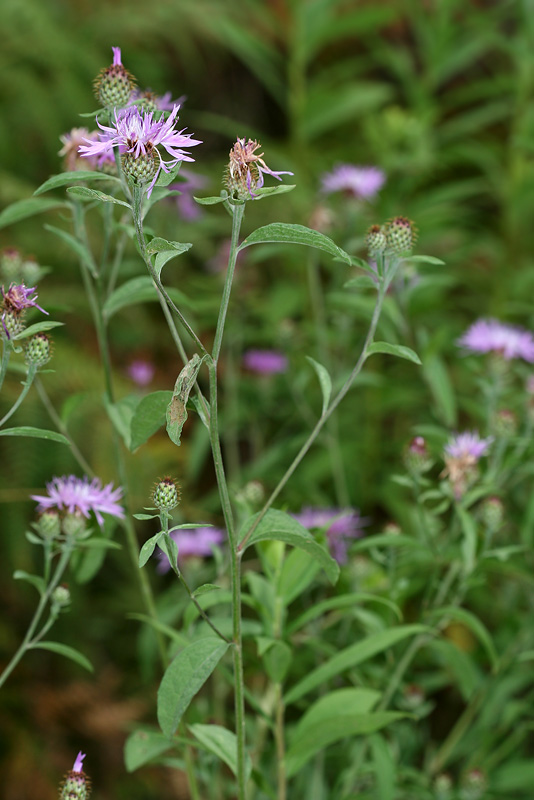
(340, 524)
(492, 336)
(81, 495)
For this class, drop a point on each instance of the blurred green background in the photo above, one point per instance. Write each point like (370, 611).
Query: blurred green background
(437, 94)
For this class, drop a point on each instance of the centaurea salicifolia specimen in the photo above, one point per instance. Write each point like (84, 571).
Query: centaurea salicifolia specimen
(71, 494)
(493, 336)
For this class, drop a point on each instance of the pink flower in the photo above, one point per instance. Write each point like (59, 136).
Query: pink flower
(341, 524)
(137, 133)
(141, 372)
(492, 336)
(71, 493)
(192, 542)
(265, 362)
(78, 764)
(468, 445)
(361, 182)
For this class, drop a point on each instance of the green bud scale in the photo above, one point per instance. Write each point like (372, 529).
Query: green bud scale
(375, 240)
(114, 85)
(38, 350)
(76, 786)
(142, 169)
(49, 524)
(166, 494)
(401, 235)
(12, 323)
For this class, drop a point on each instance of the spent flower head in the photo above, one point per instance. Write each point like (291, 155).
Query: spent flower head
(341, 524)
(245, 170)
(137, 135)
(192, 542)
(492, 336)
(16, 300)
(362, 182)
(71, 494)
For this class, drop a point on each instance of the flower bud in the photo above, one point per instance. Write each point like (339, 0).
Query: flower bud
(443, 786)
(74, 523)
(142, 169)
(114, 85)
(413, 697)
(492, 512)
(38, 350)
(76, 784)
(166, 494)
(504, 423)
(30, 271)
(12, 323)
(401, 235)
(375, 240)
(474, 785)
(61, 596)
(49, 524)
(416, 456)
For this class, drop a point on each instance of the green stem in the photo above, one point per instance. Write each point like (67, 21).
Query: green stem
(324, 416)
(25, 389)
(62, 428)
(280, 742)
(6, 355)
(237, 217)
(27, 641)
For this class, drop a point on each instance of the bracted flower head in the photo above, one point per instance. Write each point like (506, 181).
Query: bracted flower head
(38, 350)
(401, 235)
(150, 101)
(492, 336)
(192, 542)
(71, 494)
(137, 135)
(166, 494)
(376, 240)
(245, 170)
(114, 84)
(462, 454)
(15, 302)
(362, 182)
(76, 785)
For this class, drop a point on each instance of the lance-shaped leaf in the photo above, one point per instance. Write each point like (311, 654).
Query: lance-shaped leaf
(281, 527)
(148, 417)
(184, 677)
(35, 433)
(38, 327)
(64, 178)
(295, 234)
(166, 250)
(324, 380)
(398, 350)
(64, 650)
(138, 290)
(28, 208)
(222, 743)
(176, 410)
(93, 194)
(143, 746)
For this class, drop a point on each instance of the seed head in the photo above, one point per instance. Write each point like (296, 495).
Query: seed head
(114, 85)
(166, 495)
(401, 235)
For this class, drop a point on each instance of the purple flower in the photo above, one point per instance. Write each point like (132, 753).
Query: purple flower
(141, 372)
(19, 297)
(72, 493)
(468, 445)
(265, 362)
(78, 764)
(358, 181)
(490, 335)
(246, 169)
(340, 524)
(192, 542)
(137, 133)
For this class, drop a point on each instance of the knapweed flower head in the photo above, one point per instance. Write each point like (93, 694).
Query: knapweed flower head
(15, 301)
(71, 494)
(265, 362)
(137, 135)
(361, 182)
(401, 235)
(166, 494)
(192, 542)
(341, 524)
(76, 785)
(462, 454)
(114, 85)
(245, 170)
(492, 336)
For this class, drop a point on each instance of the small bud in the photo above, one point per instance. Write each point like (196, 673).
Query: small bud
(375, 240)
(12, 323)
(393, 529)
(38, 350)
(416, 456)
(49, 524)
(443, 786)
(76, 785)
(504, 424)
(400, 235)
(61, 596)
(413, 697)
(166, 494)
(141, 170)
(254, 492)
(114, 85)
(474, 785)
(492, 512)
(74, 523)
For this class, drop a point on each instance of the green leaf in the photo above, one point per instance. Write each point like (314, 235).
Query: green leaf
(138, 290)
(205, 588)
(148, 417)
(298, 571)
(277, 661)
(468, 619)
(362, 281)
(38, 327)
(94, 194)
(72, 177)
(64, 650)
(148, 548)
(426, 260)
(35, 580)
(469, 543)
(184, 677)
(351, 600)
(324, 380)
(176, 409)
(80, 249)
(515, 776)
(342, 713)
(145, 516)
(165, 251)
(384, 767)
(143, 746)
(295, 234)
(393, 350)
(436, 375)
(269, 191)
(121, 415)
(351, 657)
(281, 527)
(222, 743)
(35, 433)
(28, 208)
(211, 201)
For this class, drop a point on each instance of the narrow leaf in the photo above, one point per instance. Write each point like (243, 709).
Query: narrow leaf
(73, 177)
(35, 433)
(384, 767)
(281, 527)
(269, 191)
(176, 410)
(352, 600)
(427, 260)
(35, 580)
(222, 743)
(324, 380)
(148, 548)
(211, 201)
(143, 746)
(94, 194)
(393, 350)
(64, 650)
(184, 677)
(148, 417)
(166, 250)
(38, 327)
(28, 208)
(295, 234)
(138, 290)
